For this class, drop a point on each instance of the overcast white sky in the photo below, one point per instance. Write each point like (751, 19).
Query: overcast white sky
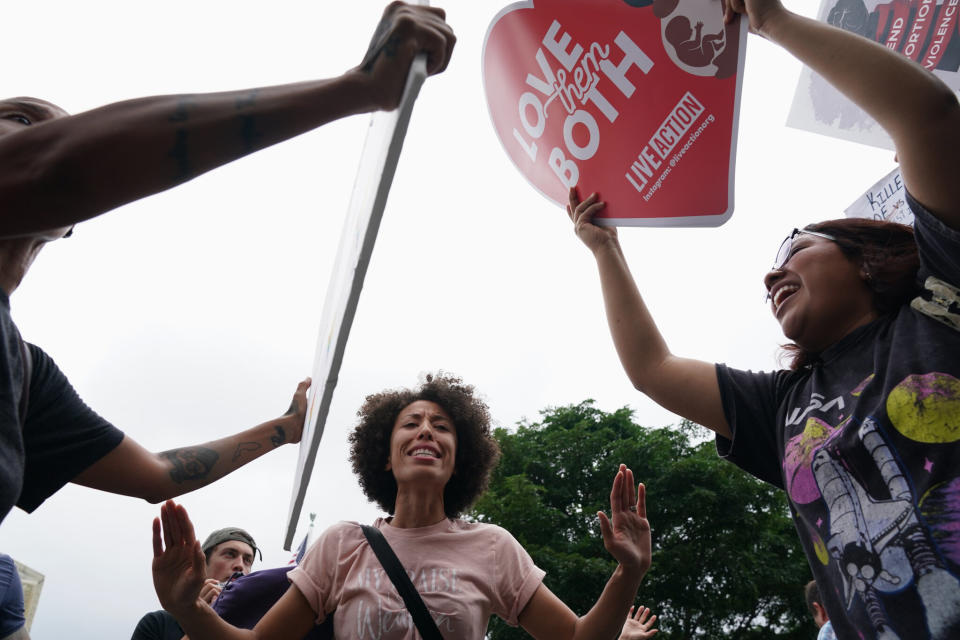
(192, 314)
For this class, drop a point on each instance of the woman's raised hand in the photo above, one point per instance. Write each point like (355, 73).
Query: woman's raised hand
(179, 570)
(637, 626)
(626, 534)
(581, 213)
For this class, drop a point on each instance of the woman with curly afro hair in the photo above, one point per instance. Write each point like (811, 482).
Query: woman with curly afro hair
(477, 451)
(862, 429)
(424, 455)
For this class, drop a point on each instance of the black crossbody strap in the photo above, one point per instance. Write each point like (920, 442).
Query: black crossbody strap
(398, 576)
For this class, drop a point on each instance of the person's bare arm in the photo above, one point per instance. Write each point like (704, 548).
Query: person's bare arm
(627, 537)
(134, 471)
(916, 108)
(179, 573)
(684, 386)
(637, 626)
(68, 169)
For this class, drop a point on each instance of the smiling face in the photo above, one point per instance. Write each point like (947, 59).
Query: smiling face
(423, 445)
(819, 295)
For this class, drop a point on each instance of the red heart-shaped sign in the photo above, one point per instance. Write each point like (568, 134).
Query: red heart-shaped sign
(635, 99)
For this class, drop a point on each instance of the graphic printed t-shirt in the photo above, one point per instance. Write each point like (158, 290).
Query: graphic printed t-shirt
(866, 444)
(464, 572)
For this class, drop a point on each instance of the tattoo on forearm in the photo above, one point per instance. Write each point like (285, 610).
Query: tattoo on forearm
(279, 438)
(179, 152)
(181, 155)
(390, 46)
(249, 135)
(381, 43)
(245, 447)
(191, 463)
(247, 100)
(182, 114)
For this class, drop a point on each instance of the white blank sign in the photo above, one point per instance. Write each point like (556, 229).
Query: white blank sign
(378, 163)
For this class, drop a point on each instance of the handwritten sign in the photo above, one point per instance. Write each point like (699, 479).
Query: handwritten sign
(886, 200)
(635, 99)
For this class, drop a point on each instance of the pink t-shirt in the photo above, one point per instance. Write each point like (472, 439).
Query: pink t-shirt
(464, 571)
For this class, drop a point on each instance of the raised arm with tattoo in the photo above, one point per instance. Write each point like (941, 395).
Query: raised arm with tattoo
(60, 169)
(132, 470)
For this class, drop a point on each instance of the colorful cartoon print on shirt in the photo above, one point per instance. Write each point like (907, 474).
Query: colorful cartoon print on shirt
(881, 544)
(884, 543)
(798, 461)
(926, 408)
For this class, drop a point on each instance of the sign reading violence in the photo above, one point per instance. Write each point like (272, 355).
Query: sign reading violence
(926, 31)
(637, 100)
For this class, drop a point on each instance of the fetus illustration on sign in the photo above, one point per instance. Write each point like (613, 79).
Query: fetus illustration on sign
(695, 37)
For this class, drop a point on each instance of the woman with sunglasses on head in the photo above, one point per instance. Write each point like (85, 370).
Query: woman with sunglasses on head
(863, 430)
(424, 455)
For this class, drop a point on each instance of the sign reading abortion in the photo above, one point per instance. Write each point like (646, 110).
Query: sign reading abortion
(637, 100)
(927, 31)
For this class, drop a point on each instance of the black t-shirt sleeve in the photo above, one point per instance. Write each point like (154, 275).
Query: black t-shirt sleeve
(62, 435)
(148, 628)
(938, 245)
(157, 625)
(750, 402)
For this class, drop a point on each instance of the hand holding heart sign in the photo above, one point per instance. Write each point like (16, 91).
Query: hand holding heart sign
(637, 100)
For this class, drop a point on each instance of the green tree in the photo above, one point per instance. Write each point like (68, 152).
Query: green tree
(726, 563)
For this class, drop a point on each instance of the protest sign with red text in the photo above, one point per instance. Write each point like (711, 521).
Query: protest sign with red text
(637, 100)
(926, 31)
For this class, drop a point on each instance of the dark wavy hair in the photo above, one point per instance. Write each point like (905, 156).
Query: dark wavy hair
(887, 254)
(477, 451)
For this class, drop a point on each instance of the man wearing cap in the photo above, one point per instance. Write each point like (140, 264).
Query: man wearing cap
(229, 552)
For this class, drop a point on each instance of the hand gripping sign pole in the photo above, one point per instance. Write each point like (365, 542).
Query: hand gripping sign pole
(378, 163)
